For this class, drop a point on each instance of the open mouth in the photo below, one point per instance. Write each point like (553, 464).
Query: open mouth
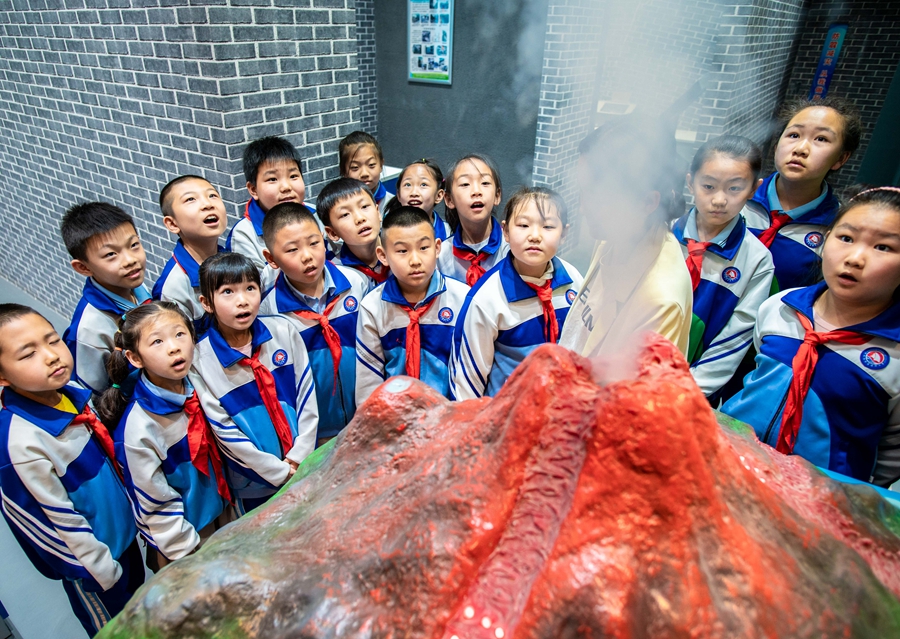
(179, 363)
(477, 206)
(243, 316)
(415, 202)
(133, 275)
(847, 278)
(309, 270)
(365, 230)
(211, 220)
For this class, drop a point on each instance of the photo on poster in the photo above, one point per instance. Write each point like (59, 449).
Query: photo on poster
(443, 36)
(429, 26)
(442, 49)
(433, 4)
(434, 18)
(445, 4)
(429, 49)
(445, 18)
(426, 36)
(415, 18)
(417, 49)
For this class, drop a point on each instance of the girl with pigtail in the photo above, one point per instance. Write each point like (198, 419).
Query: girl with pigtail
(172, 468)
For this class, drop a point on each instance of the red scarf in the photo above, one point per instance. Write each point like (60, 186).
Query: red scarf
(551, 327)
(203, 447)
(475, 270)
(100, 432)
(413, 341)
(804, 365)
(371, 272)
(332, 339)
(266, 385)
(694, 260)
(777, 221)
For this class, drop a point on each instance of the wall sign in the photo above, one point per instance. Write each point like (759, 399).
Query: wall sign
(828, 61)
(430, 46)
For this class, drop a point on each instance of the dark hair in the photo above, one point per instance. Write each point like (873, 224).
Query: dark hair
(88, 219)
(113, 400)
(859, 194)
(225, 268)
(350, 145)
(429, 164)
(450, 214)
(405, 217)
(392, 205)
(736, 147)
(842, 106)
(268, 149)
(335, 192)
(283, 215)
(164, 205)
(11, 312)
(542, 197)
(639, 152)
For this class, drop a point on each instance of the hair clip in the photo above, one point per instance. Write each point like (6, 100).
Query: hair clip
(118, 348)
(116, 386)
(877, 188)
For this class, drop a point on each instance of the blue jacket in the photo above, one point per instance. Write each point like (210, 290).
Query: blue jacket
(180, 283)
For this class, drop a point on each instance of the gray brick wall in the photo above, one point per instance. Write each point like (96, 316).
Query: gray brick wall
(110, 99)
(365, 57)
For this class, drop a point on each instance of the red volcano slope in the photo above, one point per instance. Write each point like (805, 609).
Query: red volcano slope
(560, 508)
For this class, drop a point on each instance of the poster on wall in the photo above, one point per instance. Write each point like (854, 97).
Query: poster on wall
(828, 61)
(430, 42)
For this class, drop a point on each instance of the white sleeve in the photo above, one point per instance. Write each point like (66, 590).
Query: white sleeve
(887, 460)
(307, 407)
(473, 342)
(247, 244)
(234, 443)
(370, 363)
(718, 363)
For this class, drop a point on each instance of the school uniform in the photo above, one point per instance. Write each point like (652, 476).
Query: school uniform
(374, 275)
(343, 290)
(180, 283)
(441, 229)
(382, 197)
(236, 408)
(172, 499)
(91, 335)
(66, 506)
(734, 278)
(501, 322)
(850, 420)
(796, 240)
(383, 336)
(469, 263)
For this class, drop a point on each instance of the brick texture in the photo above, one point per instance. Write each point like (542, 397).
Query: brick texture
(365, 57)
(110, 99)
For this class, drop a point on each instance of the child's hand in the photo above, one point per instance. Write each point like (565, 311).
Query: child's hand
(293, 466)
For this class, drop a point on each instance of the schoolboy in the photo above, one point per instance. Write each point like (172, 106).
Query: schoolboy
(274, 174)
(322, 301)
(60, 491)
(105, 248)
(193, 210)
(406, 324)
(348, 211)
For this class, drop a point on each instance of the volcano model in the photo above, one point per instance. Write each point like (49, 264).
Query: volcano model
(563, 507)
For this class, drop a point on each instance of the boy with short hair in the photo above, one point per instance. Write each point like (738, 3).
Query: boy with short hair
(272, 168)
(406, 324)
(193, 210)
(322, 301)
(105, 248)
(60, 490)
(348, 211)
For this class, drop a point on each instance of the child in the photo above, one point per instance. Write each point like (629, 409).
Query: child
(105, 248)
(272, 168)
(348, 211)
(521, 303)
(731, 271)
(792, 207)
(421, 184)
(361, 159)
(60, 490)
(321, 300)
(406, 324)
(637, 280)
(473, 190)
(192, 210)
(253, 378)
(171, 463)
(842, 414)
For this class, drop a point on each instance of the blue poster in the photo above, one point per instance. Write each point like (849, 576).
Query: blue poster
(828, 61)
(430, 42)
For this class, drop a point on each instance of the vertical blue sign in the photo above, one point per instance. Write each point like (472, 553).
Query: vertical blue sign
(828, 61)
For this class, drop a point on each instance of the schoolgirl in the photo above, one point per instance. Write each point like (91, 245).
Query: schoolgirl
(360, 157)
(421, 184)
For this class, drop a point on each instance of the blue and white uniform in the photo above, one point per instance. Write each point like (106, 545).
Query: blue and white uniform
(381, 334)
(441, 228)
(735, 279)
(382, 197)
(180, 283)
(495, 247)
(501, 322)
(91, 335)
(336, 407)
(172, 500)
(60, 492)
(347, 259)
(851, 418)
(797, 248)
(235, 409)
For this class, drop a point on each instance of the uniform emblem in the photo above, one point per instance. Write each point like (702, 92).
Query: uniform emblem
(570, 296)
(813, 240)
(350, 304)
(279, 357)
(875, 358)
(445, 315)
(731, 275)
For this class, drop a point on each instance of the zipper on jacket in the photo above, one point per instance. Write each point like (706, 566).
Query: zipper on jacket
(777, 412)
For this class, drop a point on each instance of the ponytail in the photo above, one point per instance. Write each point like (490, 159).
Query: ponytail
(113, 401)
